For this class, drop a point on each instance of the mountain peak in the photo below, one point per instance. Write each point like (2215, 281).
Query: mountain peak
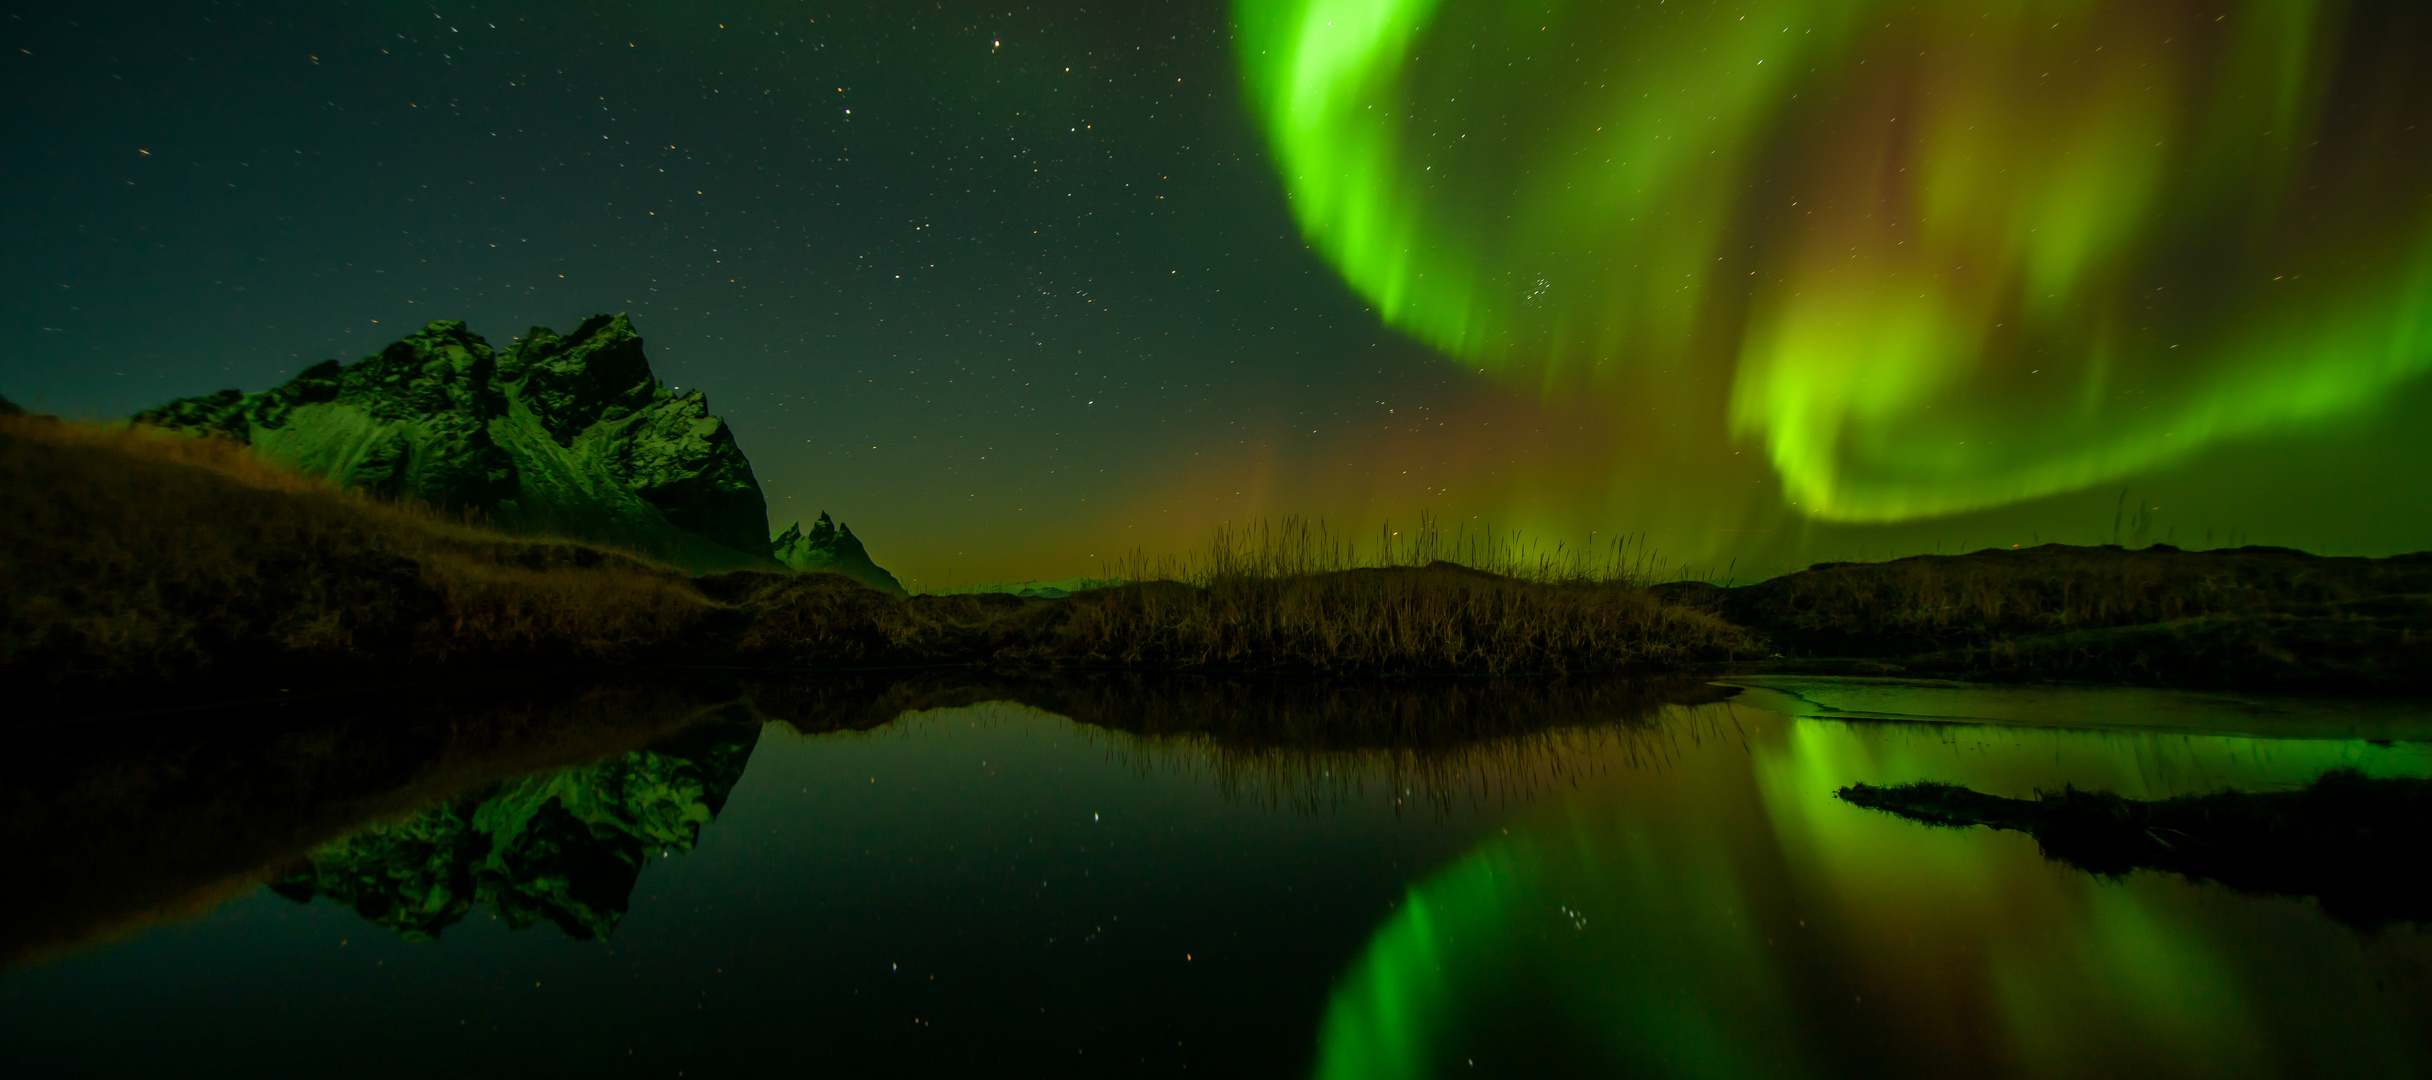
(596, 373)
(570, 434)
(831, 548)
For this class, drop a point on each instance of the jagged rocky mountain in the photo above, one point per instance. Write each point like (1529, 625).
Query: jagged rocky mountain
(571, 435)
(832, 548)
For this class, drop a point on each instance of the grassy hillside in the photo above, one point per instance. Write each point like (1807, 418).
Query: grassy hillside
(134, 558)
(2249, 617)
(130, 554)
(131, 557)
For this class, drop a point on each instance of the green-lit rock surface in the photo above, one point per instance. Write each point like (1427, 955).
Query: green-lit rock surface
(564, 848)
(566, 434)
(834, 549)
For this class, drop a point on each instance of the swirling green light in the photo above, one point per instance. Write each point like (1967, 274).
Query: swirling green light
(1934, 257)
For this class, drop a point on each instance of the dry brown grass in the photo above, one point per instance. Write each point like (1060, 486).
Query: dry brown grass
(2059, 589)
(2259, 618)
(1295, 597)
(1440, 618)
(127, 553)
(1268, 598)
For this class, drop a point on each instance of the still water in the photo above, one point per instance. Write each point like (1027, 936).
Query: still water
(1646, 885)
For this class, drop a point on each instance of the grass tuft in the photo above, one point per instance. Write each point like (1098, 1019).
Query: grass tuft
(1294, 596)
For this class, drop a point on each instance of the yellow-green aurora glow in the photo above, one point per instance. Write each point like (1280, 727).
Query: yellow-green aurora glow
(1931, 257)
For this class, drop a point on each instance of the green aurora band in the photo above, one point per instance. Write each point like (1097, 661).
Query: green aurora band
(1933, 257)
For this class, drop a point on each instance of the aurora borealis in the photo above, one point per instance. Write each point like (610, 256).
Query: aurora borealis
(1017, 289)
(1944, 257)
(1360, 539)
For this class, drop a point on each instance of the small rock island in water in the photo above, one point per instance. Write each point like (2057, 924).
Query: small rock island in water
(2353, 841)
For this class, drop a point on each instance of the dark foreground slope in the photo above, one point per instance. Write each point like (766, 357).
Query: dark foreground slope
(137, 560)
(136, 556)
(2253, 617)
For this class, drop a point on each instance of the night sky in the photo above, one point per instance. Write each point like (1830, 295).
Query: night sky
(1011, 289)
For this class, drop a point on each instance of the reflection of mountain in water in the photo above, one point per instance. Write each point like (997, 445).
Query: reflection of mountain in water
(565, 847)
(129, 824)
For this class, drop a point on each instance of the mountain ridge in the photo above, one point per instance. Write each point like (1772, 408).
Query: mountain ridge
(831, 548)
(568, 434)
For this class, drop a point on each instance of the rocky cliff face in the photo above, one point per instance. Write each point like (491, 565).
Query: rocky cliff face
(834, 549)
(569, 434)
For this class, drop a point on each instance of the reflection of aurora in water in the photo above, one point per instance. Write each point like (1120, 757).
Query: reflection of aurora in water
(1935, 257)
(1724, 915)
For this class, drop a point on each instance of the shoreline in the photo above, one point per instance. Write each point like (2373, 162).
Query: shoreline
(142, 565)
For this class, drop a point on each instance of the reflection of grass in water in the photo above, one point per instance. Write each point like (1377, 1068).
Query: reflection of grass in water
(1308, 712)
(1308, 743)
(1316, 780)
(1443, 778)
(1312, 745)
(1494, 773)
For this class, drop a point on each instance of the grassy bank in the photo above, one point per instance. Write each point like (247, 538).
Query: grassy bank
(128, 554)
(133, 558)
(1274, 599)
(2256, 617)
(130, 557)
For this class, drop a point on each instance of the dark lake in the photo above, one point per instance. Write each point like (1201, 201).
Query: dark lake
(714, 877)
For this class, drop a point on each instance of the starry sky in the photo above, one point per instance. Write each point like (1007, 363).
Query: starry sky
(1017, 288)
